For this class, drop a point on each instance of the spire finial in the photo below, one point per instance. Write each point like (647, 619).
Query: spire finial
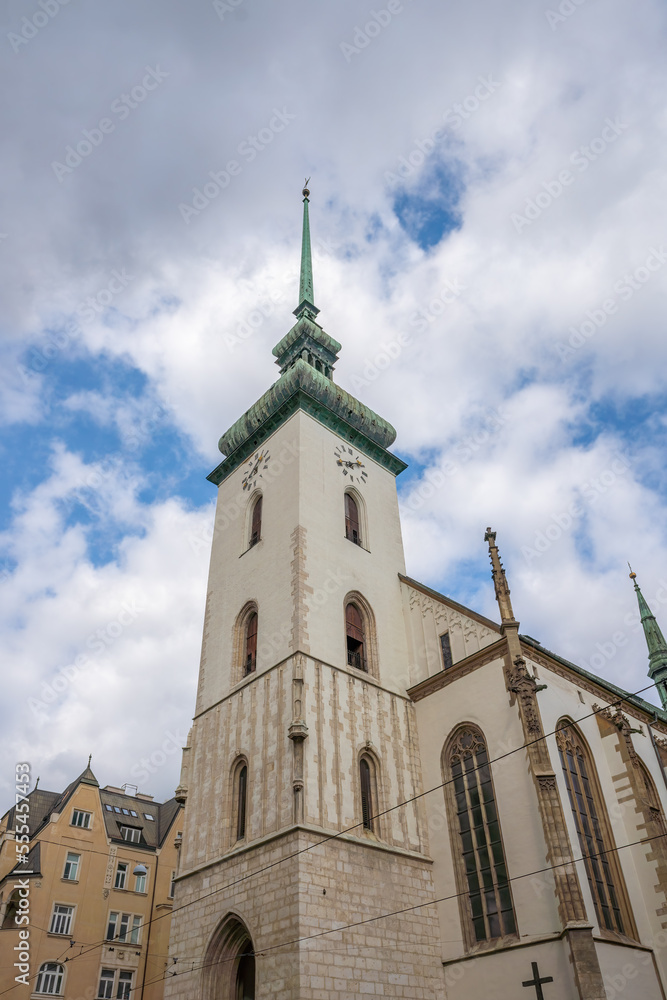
(306, 304)
(655, 640)
(500, 582)
(90, 757)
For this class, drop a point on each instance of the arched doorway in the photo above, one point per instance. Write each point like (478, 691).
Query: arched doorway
(229, 967)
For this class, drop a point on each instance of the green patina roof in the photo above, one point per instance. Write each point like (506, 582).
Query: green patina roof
(655, 640)
(302, 376)
(305, 328)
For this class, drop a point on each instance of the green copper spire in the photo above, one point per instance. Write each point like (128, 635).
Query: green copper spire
(655, 640)
(306, 304)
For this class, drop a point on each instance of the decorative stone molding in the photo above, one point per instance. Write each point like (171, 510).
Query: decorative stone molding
(525, 687)
(616, 717)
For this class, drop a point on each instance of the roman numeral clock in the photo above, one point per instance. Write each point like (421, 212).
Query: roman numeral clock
(350, 463)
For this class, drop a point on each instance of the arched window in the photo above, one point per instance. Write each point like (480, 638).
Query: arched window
(478, 850)
(356, 640)
(256, 522)
(352, 522)
(241, 800)
(229, 968)
(595, 838)
(368, 797)
(250, 651)
(50, 979)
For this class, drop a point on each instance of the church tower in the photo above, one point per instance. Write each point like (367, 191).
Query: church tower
(304, 736)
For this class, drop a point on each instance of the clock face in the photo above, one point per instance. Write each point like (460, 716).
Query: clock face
(350, 462)
(255, 468)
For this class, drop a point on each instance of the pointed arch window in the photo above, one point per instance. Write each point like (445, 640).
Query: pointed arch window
(480, 860)
(256, 522)
(241, 800)
(605, 879)
(352, 521)
(366, 785)
(250, 651)
(245, 978)
(230, 966)
(356, 639)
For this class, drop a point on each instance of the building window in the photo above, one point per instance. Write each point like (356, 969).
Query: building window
(352, 523)
(480, 860)
(121, 875)
(595, 839)
(72, 867)
(107, 989)
(132, 834)
(50, 979)
(245, 977)
(109, 808)
(11, 911)
(368, 788)
(124, 927)
(172, 886)
(256, 522)
(107, 981)
(81, 819)
(356, 643)
(250, 652)
(134, 813)
(61, 919)
(124, 985)
(150, 817)
(241, 801)
(140, 883)
(446, 649)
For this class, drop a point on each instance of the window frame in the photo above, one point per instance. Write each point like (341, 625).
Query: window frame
(143, 879)
(44, 972)
(371, 656)
(127, 927)
(109, 980)
(134, 830)
(77, 863)
(67, 917)
(446, 650)
(368, 775)
(86, 815)
(112, 982)
(121, 869)
(241, 800)
(485, 807)
(255, 529)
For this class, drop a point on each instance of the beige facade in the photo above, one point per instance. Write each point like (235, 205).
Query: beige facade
(93, 928)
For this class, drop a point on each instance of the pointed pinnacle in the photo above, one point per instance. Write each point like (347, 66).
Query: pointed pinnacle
(500, 581)
(655, 640)
(306, 294)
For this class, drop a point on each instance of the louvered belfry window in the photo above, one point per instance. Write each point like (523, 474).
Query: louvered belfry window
(251, 644)
(354, 624)
(352, 530)
(256, 527)
(489, 896)
(597, 848)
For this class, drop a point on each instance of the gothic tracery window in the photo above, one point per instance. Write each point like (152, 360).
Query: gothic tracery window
(368, 790)
(595, 839)
(481, 860)
(241, 800)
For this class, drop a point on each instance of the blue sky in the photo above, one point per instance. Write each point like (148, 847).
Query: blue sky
(523, 314)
